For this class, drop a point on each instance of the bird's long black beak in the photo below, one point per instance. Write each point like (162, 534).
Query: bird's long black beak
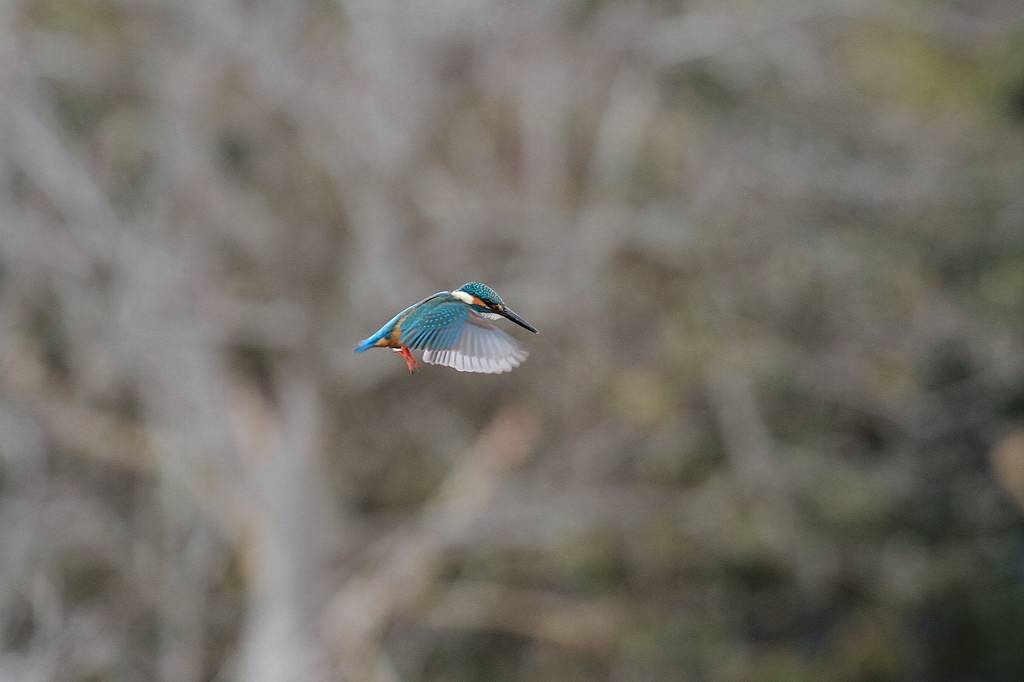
(507, 312)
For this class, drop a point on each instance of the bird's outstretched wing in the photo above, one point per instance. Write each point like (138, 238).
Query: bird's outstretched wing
(481, 347)
(451, 334)
(435, 323)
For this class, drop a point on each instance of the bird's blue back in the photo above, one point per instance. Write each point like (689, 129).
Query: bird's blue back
(434, 322)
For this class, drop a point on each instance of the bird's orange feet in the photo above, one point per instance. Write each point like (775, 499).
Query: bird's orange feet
(410, 360)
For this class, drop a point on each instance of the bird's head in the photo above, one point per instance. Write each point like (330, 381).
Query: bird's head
(486, 301)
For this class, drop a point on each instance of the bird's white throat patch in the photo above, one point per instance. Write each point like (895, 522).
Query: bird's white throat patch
(463, 296)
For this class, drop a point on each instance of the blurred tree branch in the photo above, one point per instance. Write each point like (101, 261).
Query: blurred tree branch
(592, 625)
(404, 564)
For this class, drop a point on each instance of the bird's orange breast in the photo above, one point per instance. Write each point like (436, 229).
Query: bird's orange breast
(394, 337)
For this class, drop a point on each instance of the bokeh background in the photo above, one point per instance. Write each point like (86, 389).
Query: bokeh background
(772, 428)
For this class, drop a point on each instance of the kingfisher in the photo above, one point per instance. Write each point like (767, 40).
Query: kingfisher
(453, 329)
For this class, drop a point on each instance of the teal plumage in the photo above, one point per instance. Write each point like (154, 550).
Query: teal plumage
(435, 323)
(452, 329)
(482, 291)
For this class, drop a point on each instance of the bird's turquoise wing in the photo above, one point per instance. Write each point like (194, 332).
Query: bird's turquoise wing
(436, 323)
(385, 331)
(480, 347)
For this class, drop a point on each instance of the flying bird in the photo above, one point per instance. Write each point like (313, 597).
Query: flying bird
(453, 329)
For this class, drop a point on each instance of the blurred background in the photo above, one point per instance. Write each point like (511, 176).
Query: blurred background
(772, 427)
